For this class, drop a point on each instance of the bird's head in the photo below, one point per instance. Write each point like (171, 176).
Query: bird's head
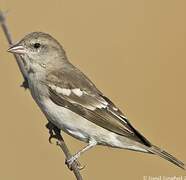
(40, 49)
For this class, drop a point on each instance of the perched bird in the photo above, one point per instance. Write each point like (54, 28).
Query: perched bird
(72, 102)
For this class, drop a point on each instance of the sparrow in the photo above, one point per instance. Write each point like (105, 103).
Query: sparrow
(71, 101)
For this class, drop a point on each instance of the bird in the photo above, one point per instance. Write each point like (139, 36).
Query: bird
(72, 102)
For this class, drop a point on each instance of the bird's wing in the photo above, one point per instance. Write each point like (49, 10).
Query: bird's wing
(73, 90)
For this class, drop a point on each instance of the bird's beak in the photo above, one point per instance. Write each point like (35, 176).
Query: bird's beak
(17, 49)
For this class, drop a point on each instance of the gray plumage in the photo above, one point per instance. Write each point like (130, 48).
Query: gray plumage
(73, 103)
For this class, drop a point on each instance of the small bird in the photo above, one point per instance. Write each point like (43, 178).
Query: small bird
(72, 102)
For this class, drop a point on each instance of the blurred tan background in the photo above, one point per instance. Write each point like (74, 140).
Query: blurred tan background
(135, 52)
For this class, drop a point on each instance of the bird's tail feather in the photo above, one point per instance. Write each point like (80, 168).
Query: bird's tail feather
(156, 150)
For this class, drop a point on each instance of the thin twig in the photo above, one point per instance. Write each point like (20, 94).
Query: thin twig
(10, 41)
(75, 168)
(56, 134)
(61, 142)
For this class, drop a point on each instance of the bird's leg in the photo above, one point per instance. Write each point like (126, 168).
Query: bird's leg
(73, 158)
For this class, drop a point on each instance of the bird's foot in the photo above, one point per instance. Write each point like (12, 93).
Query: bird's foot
(25, 84)
(73, 161)
(54, 132)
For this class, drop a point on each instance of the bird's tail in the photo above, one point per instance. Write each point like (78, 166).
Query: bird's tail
(156, 150)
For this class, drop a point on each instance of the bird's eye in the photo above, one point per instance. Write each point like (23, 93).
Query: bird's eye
(37, 45)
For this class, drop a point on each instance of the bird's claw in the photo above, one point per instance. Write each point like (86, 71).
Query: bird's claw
(73, 160)
(52, 136)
